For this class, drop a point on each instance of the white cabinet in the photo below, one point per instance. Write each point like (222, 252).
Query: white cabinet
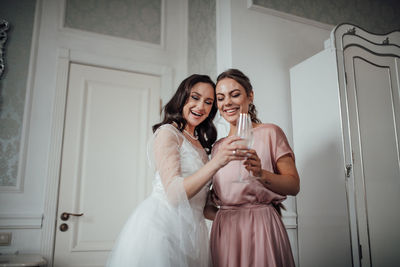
(346, 133)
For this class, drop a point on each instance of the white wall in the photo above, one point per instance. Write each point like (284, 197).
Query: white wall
(265, 45)
(21, 212)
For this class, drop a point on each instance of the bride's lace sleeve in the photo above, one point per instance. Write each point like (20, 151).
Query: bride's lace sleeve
(165, 148)
(166, 153)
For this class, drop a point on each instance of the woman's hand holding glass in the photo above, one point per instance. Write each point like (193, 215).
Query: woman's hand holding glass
(230, 149)
(253, 163)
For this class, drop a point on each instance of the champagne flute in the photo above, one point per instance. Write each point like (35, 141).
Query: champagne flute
(244, 130)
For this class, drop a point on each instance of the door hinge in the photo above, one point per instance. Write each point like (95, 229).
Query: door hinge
(348, 170)
(360, 251)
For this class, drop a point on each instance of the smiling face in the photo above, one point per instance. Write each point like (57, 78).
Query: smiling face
(198, 105)
(232, 99)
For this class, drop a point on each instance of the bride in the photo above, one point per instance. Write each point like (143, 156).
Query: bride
(168, 228)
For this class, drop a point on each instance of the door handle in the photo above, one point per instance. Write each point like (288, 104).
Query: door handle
(65, 215)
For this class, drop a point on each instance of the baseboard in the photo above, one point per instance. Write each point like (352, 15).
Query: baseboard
(20, 221)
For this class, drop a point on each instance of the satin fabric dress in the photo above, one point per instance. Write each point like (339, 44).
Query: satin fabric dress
(247, 230)
(167, 229)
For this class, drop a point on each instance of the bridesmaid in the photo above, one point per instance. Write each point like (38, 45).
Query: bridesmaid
(247, 228)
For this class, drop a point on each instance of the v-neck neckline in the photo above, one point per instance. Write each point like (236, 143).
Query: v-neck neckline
(200, 151)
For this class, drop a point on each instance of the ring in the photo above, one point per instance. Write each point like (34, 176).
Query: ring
(234, 152)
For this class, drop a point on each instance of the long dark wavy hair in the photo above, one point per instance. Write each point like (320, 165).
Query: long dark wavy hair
(206, 130)
(244, 81)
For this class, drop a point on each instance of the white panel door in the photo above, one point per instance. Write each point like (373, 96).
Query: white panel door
(374, 120)
(109, 114)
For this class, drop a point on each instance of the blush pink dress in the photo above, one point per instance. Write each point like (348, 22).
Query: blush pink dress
(247, 230)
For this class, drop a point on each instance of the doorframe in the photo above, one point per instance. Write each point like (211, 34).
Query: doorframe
(64, 58)
(59, 46)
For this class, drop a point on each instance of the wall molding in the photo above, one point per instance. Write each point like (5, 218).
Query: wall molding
(289, 219)
(22, 153)
(98, 37)
(276, 13)
(20, 221)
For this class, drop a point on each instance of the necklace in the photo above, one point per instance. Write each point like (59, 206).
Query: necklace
(191, 136)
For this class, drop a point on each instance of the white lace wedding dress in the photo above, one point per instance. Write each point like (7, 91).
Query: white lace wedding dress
(167, 229)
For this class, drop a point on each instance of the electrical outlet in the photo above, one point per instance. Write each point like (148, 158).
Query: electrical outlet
(5, 238)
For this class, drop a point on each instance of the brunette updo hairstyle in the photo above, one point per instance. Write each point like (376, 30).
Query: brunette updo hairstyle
(206, 130)
(244, 81)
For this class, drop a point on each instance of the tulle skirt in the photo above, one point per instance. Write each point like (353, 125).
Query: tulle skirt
(154, 235)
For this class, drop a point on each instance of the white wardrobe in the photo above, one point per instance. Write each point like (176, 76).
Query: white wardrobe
(346, 134)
